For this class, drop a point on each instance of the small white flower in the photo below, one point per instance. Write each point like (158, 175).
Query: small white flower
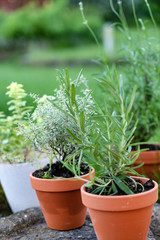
(81, 6)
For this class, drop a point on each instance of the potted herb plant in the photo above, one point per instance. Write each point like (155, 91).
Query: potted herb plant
(119, 201)
(144, 72)
(16, 154)
(143, 60)
(49, 130)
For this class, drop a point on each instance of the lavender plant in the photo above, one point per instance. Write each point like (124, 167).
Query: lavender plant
(143, 59)
(13, 147)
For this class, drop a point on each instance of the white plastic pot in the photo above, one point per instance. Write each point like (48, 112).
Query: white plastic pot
(16, 184)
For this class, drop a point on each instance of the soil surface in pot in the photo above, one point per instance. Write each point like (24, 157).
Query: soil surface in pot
(141, 187)
(58, 170)
(150, 147)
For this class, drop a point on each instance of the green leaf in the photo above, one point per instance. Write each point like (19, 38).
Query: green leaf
(98, 190)
(89, 93)
(114, 188)
(78, 78)
(88, 185)
(70, 109)
(60, 77)
(66, 113)
(82, 121)
(110, 88)
(131, 101)
(122, 185)
(134, 181)
(73, 135)
(67, 78)
(72, 94)
(67, 166)
(79, 163)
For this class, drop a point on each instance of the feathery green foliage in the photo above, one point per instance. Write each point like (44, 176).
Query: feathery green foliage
(52, 127)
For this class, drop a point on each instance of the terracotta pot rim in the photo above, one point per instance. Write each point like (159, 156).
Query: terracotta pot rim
(58, 185)
(123, 196)
(58, 179)
(150, 151)
(112, 203)
(148, 158)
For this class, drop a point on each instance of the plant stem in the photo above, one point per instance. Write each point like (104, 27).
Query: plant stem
(150, 12)
(85, 22)
(134, 14)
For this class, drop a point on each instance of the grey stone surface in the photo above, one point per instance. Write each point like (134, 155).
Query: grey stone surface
(155, 221)
(30, 225)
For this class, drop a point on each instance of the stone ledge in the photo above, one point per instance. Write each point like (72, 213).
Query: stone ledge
(155, 221)
(30, 225)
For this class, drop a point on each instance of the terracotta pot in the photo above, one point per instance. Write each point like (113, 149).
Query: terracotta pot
(121, 217)
(151, 167)
(60, 201)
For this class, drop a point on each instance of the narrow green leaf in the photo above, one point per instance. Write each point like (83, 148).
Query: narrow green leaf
(98, 190)
(88, 185)
(78, 78)
(67, 79)
(79, 163)
(122, 185)
(131, 101)
(66, 113)
(109, 87)
(73, 135)
(67, 166)
(82, 121)
(60, 77)
(72, 94)
(70, 109)
(114, 188)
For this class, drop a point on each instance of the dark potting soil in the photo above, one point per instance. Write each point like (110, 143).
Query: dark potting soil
(58, 170)
(146, 187)
(150, 147)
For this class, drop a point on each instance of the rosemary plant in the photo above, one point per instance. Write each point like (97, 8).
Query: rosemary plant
(104, 138)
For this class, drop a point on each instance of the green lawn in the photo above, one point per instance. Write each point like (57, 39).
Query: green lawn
(39, 80)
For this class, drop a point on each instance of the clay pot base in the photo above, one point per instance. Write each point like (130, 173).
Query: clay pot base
(60, 201)
(121, 217)
(63, 211)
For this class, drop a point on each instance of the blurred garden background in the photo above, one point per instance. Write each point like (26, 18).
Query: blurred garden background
(37, 37)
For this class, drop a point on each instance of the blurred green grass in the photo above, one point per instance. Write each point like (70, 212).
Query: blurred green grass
(38, 80)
